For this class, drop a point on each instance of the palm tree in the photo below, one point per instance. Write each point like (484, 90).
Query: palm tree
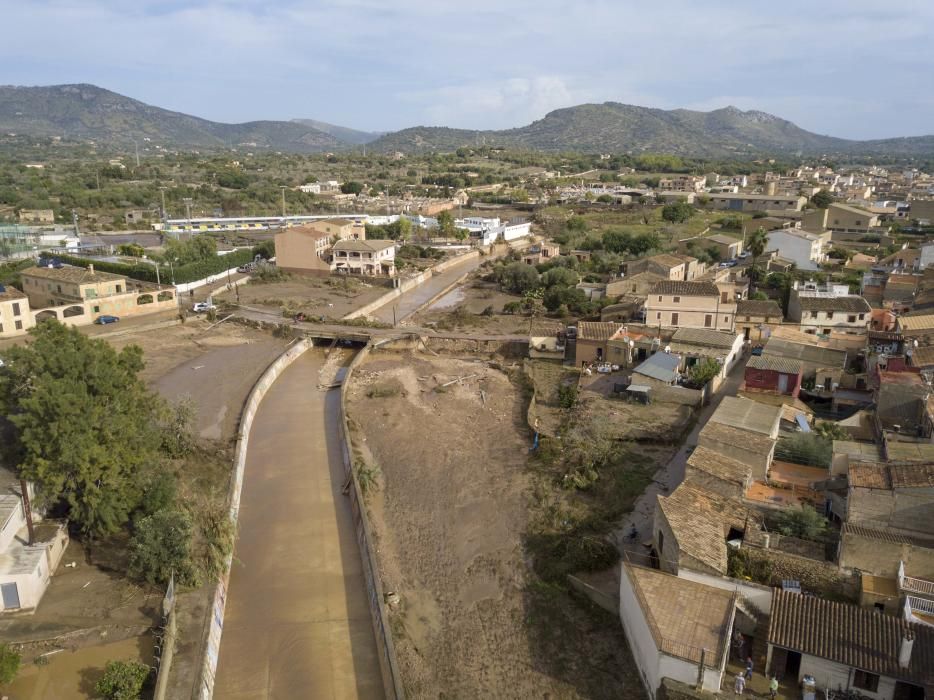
(756, 245)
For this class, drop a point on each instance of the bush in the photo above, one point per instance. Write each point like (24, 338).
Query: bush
(805, 448)
(162, 546)
(702, 372)
(123, 680)
(517, 278)
(9, 663)
(677, 212)
(804, 522)
(567, 395)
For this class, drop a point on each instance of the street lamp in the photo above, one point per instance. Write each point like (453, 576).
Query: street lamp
(283, 187)
(187, 201)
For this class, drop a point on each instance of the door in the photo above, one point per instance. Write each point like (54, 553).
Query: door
(782, 383)
(10, 596)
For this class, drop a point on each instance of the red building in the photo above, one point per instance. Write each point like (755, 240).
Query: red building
(776, 374)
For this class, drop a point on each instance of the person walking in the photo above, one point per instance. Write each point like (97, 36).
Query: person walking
(773, 688)
(748, 668)
(740, 685)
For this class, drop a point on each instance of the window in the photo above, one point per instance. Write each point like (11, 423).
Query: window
(119, 289)
(674, 319)
(724, 298)
(851, 319)
(658, 316)
(726, 319)
(16, 308)
(19, 325)
(866, 681)
(659, 297)
(862, 317)
(676, 300)
(813, 314)
(97, 309)
(708, 321)
(829, 315)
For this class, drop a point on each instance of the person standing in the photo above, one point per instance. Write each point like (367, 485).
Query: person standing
(748, 668)
(740, 685)
(773, 688)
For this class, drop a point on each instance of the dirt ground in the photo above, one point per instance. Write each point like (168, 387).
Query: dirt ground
(330, 297)
(463, 309)
(450, 517)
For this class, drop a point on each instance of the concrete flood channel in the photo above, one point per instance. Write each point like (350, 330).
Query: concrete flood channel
(297, 622)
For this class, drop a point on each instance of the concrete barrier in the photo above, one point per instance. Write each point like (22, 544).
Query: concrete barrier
(215, 625)
(392, 679)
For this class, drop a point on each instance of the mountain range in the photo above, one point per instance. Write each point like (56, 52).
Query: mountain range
(87, 112)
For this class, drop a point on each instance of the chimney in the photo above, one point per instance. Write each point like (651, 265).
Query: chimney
(904, 651)
(91, 269)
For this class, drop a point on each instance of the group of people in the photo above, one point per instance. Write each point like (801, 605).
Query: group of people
(743, 676)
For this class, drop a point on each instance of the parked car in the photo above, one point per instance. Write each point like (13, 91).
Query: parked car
(757, 350)
(105, 319)
(571, 333)
(249, 267)
(745, 254)
(201, 307)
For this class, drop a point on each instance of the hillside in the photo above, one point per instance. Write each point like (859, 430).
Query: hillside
(90, 112)
(617, 128)
(341, 133)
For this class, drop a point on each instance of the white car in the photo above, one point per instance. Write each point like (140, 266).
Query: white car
(202, 307)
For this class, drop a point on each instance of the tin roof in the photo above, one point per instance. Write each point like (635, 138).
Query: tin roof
(784, 365)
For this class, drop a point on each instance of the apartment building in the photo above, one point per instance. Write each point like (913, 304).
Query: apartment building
(806, 249)
(823, 309)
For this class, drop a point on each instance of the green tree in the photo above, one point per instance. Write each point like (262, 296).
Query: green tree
(822, 199)
(560, 276)
(405, 229)
(703, 371)
(84, 426)
(677, 212)
(804, 522)
(123, 680)
(756, 244)
(445, 224)
(517, 277)
(161, 546)
(352, 187)
(9, 664)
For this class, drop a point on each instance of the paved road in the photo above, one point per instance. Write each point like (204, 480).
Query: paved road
(297, 623)
(412, 300)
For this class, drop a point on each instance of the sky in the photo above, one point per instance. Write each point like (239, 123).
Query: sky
(848, 68)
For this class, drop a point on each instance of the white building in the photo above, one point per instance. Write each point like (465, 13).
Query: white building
(821, 309)
(487, 231)
(25, 569)
(807, 250)
(676, 628)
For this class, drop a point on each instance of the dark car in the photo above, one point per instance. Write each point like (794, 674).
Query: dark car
(757, 350)
(105, 319)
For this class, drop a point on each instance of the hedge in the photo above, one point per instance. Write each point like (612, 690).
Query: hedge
(183, 273)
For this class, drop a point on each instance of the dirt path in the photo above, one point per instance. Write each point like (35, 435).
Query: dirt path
(297, 622)
(450, 518)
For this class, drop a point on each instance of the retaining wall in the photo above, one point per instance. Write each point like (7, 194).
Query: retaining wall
(218, 603)
(392, 679)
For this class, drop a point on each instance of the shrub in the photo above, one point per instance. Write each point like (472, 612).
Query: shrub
(123, 680)
(162, 546)
(567, 395)
(803, 522)
(677, 212)
(9, 663)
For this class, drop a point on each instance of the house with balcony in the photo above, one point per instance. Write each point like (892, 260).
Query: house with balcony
(822, 309)
(367, 258)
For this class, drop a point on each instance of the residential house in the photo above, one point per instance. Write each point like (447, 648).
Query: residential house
(660, 369)
(698, 344)
(717, 473)
(805, 249)
(37, 216)
(540, 253)
(361, 257)
(671, 196)
(846, 647)
(908, 259)
(682, 183)
(77, 295)
(900, 291)
(636, 285)
(691, 528)
(15, 315)
(748, 415)
(304, 249)
(676, 628)
(592, 338)
(342, 229)
(832, 308)
(883, 552)
(670, 266)
(813, 356)
(841, 218)
(896, 497)
(26, 562)
(720, 246)
(773, 374)
(901, 400)
(692, 305)
(756, 319)
(747, 446)
(757, 202)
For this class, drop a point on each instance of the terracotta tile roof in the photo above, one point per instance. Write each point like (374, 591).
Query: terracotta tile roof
(683, 616)
(737, 437)
(597, 330)
(359, 246)
(922, 357)
(74, 275)
(784, 365)
(921, 322)
(850, 635)
(719, 465)
(666, 260)
(873, 475)
(700, 522)
(886, 536)
(848, 304)
(705, 336)
(687, 289)
(759, 307)
(8, 293)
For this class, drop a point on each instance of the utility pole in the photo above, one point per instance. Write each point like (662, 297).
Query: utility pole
(136, 148)
(282, 188)
(74, 220)
(27, 511)
(164, 213)
(187, 201)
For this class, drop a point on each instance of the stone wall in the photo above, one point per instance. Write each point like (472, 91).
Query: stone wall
(882, 558)
(675, 690)
(818, 576)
